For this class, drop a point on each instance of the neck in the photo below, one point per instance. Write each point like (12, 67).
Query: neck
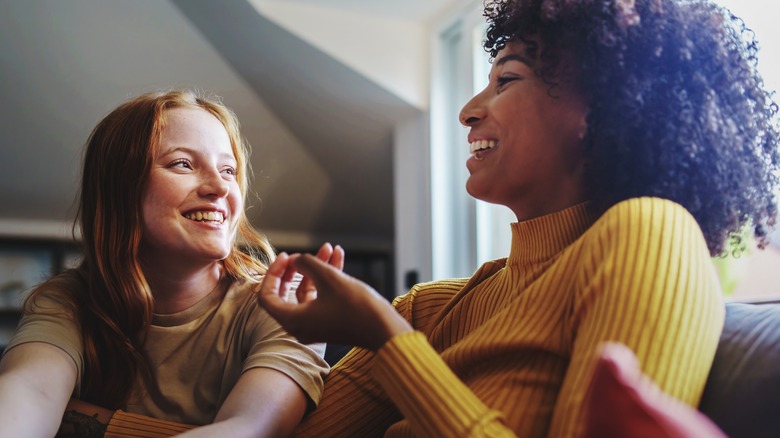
(175, 290)
(531, 210)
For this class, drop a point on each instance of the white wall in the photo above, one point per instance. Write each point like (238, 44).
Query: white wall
(390, 51)
(411, 173)
(398, 54)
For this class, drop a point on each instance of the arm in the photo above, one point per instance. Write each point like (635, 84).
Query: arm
(36, 380)
(263, 403)
(648, 283)
(85, 420)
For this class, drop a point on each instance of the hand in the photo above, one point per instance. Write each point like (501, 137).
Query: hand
(306, 290)
(343, 309)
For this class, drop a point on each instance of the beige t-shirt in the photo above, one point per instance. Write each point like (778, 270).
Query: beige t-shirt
(197, 355)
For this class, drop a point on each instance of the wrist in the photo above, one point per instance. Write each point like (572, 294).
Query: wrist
(392, 324)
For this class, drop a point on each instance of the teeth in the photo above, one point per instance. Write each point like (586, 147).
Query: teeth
(479, 145)
(213, 216)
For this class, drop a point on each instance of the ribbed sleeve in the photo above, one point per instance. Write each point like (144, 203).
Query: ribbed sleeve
(126, 425)
(422, 386)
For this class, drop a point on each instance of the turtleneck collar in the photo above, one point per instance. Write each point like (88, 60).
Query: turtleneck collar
(543, 237)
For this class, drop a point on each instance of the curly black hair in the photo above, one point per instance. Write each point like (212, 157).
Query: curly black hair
(677, 108)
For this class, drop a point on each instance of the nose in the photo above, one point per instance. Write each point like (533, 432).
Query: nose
(473, 111)
(213, 185)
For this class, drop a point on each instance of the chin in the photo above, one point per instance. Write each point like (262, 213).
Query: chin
(474, 192)
(217, 254)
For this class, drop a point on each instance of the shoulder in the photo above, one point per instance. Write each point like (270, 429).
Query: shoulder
(423, 301)
(646, 217)
(54, 295)
(445, 289)
(648, 228)
(644, 210)
(433, 290)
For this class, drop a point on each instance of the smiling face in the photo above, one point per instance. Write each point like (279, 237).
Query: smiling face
(525, 138)
(192, 200)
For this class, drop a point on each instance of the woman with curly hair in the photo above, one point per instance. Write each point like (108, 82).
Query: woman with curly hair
(632, 139)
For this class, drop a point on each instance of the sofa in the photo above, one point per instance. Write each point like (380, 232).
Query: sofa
(742, 395)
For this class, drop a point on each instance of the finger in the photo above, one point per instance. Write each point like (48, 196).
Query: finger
(276, 276)
(279, 309)
(305, 296)
(324, 254)
(319, 272)
(306, 290)
(290, 271)
(289, 275)
(337, 259)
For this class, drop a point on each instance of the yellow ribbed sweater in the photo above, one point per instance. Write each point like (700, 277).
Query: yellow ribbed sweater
(509, 351)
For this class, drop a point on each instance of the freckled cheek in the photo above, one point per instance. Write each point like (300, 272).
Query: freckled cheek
(162, 203)
(236, 203)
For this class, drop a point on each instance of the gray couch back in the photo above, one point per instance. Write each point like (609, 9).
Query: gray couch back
(742, 395)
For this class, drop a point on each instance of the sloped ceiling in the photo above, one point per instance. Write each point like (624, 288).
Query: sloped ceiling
(321, 134)
(344, 119)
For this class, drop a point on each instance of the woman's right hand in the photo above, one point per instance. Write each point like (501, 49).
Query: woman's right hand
(341, 310)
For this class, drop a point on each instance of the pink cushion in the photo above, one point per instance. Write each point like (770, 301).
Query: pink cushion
(623, 402)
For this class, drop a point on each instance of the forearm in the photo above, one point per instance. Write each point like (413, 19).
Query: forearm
(25, 412)
(86, 420)
(412, 373)
(263, 403)
(36, 380)
(353, 404)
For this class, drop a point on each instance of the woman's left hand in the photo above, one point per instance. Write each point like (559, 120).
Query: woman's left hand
(306, 290)
(332, 307)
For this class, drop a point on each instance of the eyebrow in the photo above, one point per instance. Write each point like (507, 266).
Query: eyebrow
(514, 57)
(224, 156)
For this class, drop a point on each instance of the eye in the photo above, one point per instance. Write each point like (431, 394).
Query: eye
(181, 163)
(230, 171)
(502, 81)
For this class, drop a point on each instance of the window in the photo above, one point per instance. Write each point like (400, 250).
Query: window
(466, 232)
(754, 274)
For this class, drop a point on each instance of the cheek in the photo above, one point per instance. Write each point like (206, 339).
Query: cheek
(147, 206)
(161, 191)
(236, 200)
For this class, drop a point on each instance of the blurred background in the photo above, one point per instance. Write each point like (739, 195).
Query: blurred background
(350, 107)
